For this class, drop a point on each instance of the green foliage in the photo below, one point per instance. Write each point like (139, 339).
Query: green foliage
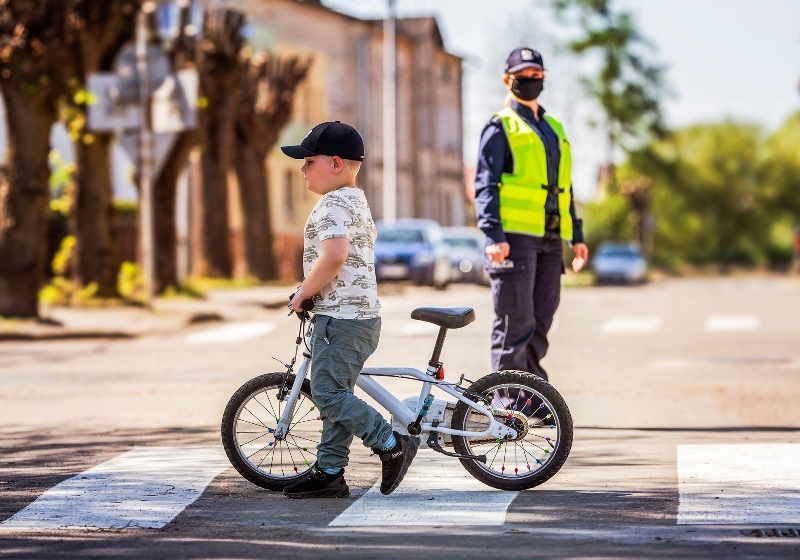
(608, 219)
(61, 290)
(61, 197)
(722, 193)
(130, 283)
(627, 87)
(126, 209)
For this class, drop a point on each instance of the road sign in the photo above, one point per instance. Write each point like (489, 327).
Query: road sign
(173, 96)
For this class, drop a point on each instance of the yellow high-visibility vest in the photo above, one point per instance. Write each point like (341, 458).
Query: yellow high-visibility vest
(524, 191)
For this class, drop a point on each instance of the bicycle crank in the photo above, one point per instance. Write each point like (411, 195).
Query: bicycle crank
(433, 443)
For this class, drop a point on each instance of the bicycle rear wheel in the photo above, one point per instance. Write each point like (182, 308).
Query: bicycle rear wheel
(248, 427)
(535, 410)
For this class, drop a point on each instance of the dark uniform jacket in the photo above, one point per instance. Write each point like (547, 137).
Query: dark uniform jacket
(495, 158)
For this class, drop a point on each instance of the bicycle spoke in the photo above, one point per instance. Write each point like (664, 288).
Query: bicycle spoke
(289, 449)
(271, 451)
(305, 438)
(304, 415)
(526, 452)
(255, 438)
(271, 411)
(240, 419)
(254, 416)
(494, 456)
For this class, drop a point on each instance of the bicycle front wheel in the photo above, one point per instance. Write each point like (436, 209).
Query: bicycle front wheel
(248, 431)
(539, 415)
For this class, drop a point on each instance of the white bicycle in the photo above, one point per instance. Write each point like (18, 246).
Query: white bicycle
(510, 429)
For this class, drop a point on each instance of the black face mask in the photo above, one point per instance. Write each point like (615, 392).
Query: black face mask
(527, 89)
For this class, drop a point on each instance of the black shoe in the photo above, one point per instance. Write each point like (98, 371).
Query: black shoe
(319, 484)
(396, 462)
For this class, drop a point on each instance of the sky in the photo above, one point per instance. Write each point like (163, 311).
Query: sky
(735, 59)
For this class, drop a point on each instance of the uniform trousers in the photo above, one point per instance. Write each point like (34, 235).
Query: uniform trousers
(526, 289)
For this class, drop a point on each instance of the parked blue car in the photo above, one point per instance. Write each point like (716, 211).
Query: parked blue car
(619, 262)
(412, 250)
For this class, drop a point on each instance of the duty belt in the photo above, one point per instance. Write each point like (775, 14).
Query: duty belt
(552, 189)
(552, 222)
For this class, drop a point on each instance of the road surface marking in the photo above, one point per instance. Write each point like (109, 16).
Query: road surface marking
(725, 323)
(145, 487)
(235, 332)
(418, 328)
(737, 484)
(436, 491)
(632, 325)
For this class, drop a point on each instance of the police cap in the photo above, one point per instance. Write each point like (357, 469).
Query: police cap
(523, 57)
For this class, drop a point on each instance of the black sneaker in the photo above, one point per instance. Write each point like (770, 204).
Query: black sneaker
(319, 484)
(396, 462)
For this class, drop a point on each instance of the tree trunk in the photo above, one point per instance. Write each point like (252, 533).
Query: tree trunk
(94, 215)
(24, 199)
(164, 193)
(255, 210)
(214, 165)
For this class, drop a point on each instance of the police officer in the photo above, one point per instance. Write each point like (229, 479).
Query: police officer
(524, 205)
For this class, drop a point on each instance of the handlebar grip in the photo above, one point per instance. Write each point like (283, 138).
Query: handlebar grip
(307, 304)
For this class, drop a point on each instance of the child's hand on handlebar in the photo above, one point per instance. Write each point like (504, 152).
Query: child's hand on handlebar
(300, 302)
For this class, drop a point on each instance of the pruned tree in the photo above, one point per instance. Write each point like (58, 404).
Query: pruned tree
(103, 27)
(183, 54)
(34, 54)
(221, 72)
(264, 108)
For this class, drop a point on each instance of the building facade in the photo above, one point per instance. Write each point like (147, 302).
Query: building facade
(345, 83)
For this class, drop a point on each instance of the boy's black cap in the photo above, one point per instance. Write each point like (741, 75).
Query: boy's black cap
(329, 139)
(523, 57)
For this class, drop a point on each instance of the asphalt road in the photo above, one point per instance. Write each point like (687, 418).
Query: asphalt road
(680, 390)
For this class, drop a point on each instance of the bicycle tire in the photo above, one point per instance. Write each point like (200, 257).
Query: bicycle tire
(230, 433)
(521, 381)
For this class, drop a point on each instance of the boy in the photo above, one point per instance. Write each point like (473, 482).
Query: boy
(338, 252)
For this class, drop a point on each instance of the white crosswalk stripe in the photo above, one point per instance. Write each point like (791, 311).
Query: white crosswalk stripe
(725, 323)
(235, 332)
(435, 491)
(739, 483)
(632, 325)
(147, 487)
(142, 488)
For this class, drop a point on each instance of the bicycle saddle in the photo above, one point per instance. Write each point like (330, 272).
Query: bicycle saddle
(447, 317)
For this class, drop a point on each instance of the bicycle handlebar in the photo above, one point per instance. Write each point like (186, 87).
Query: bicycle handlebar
(306, 305)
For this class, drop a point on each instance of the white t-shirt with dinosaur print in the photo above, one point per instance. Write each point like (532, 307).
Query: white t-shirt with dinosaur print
(353, 293)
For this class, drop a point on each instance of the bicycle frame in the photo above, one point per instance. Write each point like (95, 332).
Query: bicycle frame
(393, 405)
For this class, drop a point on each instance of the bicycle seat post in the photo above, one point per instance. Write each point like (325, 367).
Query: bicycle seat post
(434, 365)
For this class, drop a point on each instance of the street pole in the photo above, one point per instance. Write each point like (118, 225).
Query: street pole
(389, 117)
(145, 156)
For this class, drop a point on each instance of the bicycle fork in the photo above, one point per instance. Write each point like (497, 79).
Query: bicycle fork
(288, 410)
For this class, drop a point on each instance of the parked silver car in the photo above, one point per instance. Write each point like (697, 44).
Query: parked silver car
(467, 246)
(619, 261)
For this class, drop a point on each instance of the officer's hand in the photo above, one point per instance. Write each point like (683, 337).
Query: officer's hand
(581, 256)
(498, 251)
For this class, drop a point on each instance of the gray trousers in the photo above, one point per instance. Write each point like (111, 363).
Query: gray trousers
(339, 348)
(526, 294)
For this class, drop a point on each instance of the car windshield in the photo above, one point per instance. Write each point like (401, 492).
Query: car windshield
(401, 236)
(618, 251)
(462, 242)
